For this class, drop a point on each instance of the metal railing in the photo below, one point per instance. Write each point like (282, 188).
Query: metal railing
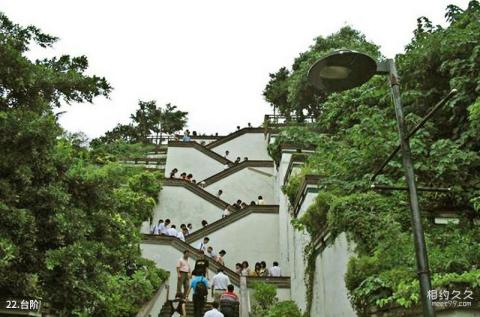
(276, 119)
(162, 139)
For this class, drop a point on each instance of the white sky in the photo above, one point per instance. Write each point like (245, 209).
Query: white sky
(211, 58)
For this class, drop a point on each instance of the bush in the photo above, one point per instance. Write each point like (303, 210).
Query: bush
(265, 296)
(284, 309)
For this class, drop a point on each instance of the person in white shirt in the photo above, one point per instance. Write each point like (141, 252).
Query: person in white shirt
(219, 193)
(260, 201)
(211, 254)
(180, 235)
(220, 283)
(214, 311)
(189, 228)
(156, 228)
(202, 246)
(226, 212)
(275, 270)
(164, 229)
(172, 231)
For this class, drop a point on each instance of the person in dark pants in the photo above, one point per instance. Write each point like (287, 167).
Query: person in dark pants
(200, 290)
(229, 302)
(177, 306)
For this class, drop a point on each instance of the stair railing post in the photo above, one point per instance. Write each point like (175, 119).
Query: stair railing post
(244, 300)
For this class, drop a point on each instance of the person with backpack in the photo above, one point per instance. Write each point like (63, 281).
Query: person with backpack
(199, 285)
(177, 306)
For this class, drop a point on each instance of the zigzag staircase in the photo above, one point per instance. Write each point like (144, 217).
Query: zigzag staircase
(241, 283)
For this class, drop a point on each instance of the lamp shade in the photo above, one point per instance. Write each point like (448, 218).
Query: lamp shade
(342, 70)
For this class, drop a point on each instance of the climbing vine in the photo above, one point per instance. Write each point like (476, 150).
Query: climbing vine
(356, 130)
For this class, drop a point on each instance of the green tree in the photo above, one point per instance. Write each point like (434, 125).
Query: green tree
(171, 119)
(291, 93)
(68, 227)
(147, 119)
(356, 130)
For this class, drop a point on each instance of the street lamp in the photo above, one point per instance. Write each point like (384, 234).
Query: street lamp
(346, 69)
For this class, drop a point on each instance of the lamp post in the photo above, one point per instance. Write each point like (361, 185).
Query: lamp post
(346, 69)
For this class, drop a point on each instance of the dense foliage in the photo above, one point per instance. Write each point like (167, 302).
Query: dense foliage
(68, 227)
(267, 304)
(356, 129)
(147, 119)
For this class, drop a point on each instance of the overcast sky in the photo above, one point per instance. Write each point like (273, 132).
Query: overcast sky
(210, 58)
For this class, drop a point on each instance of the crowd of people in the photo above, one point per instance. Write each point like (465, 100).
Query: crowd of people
(167, 229)
(196, 281)
(239, 205)
(260, 269)
(186, 177)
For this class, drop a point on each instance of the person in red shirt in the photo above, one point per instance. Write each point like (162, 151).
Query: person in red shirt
(229, 302)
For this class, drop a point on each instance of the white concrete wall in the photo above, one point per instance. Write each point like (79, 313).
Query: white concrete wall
(182, 206)
(246, 184)
(297, 240)
(253, 238)
(283, 216)
(329, 291)
(190, 160)
(251, 145)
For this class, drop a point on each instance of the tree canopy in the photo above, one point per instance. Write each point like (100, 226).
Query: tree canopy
(355, 131)
(147, 119)
(68, 227)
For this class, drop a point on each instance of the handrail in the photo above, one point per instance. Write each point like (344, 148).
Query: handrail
(308, 180)
(299, 148)
(295, 158)
(234, 135)
(281, 282)
(146, 309)
(235, 168)
(147, 160)
(176, 137)
(194, 253)
(223, 222)
(199, 191)
(202, 148)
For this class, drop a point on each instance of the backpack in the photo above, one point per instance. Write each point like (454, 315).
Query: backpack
(201, 288)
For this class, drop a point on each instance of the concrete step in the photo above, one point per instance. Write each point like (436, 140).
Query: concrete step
(165, 312)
